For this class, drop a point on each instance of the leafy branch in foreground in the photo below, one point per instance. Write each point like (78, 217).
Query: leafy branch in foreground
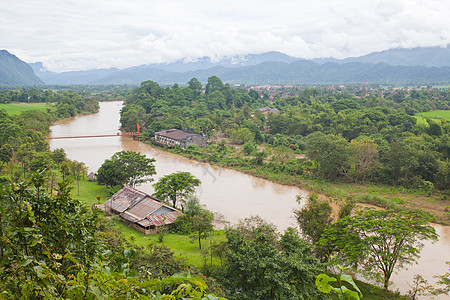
(380, 241)
(444, 280)
(323, 284)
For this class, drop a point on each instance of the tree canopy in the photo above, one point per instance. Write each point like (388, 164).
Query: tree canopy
(176, 187)
(381, 241)
(259, 267)
(347, 133)
(126, 167)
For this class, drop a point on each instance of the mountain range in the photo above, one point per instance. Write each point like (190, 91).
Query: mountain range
(416, 65)
(15, 71)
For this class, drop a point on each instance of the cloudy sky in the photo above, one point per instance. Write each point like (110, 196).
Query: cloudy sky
(86, 34)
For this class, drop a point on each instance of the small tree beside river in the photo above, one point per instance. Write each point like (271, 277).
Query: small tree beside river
(126, 167)
(176, 187)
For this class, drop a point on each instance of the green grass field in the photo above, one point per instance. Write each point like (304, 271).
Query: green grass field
(181, 245)
(17, 108)
(436, 114)
(441, 86)
(89, 192)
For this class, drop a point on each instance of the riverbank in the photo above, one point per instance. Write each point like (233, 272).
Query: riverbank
(435, 202)
(182, 246)
(228, 191)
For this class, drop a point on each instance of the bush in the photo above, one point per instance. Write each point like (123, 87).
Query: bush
(215, 157)
(183, 224)
(249, 148)
(114, 189)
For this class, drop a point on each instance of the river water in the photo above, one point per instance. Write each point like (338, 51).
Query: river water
(230, 193)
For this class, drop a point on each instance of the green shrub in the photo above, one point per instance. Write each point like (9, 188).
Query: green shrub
(183, 224)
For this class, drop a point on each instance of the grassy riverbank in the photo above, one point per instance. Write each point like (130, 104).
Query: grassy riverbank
(295, 173)
(182, 245)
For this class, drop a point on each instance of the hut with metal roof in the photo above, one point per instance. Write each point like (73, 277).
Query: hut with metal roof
(140, 210)
(92, 176)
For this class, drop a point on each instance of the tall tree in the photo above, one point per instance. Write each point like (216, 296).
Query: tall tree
(201, 225)
(214, 84)
(313, 218)
(364, 158)
(260, 267)
(78, 169)
(176, 187)
(330, 151)
(126, 167)
(132, 115)
(381, 241)
(195, 86)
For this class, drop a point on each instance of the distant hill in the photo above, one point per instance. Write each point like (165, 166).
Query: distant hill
(72, 77)
(230, 62)
(418, 65)
(427, 57)
(134, 75)
(14, 71)
(296, 72)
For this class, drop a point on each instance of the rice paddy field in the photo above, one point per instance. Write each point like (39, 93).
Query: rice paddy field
(436, 114)
(433, 114)
(17, 108)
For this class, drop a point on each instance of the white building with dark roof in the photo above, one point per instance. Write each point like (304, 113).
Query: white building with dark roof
(181, 138)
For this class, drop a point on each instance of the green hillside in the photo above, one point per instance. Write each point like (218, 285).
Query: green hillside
(14, 71)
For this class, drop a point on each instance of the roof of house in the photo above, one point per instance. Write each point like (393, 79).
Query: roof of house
(138, 207)
(158, 220)
(175, 134)
(268, 109)
(143, 208)
(125, 198)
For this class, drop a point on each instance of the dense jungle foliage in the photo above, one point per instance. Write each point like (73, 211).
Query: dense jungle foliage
(54, 247)
(344, 133)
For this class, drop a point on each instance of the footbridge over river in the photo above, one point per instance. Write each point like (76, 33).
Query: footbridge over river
(122, 133)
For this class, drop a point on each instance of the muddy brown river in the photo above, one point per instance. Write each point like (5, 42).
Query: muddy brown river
(233, 194)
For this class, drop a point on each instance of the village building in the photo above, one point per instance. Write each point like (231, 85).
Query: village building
(266, 110)
(140, 210)
(92, 176)
(182, 138)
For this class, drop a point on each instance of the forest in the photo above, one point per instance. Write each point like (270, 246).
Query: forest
(53, 246)
(373, 137)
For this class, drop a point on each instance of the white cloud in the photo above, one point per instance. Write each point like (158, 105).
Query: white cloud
(74, 34)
